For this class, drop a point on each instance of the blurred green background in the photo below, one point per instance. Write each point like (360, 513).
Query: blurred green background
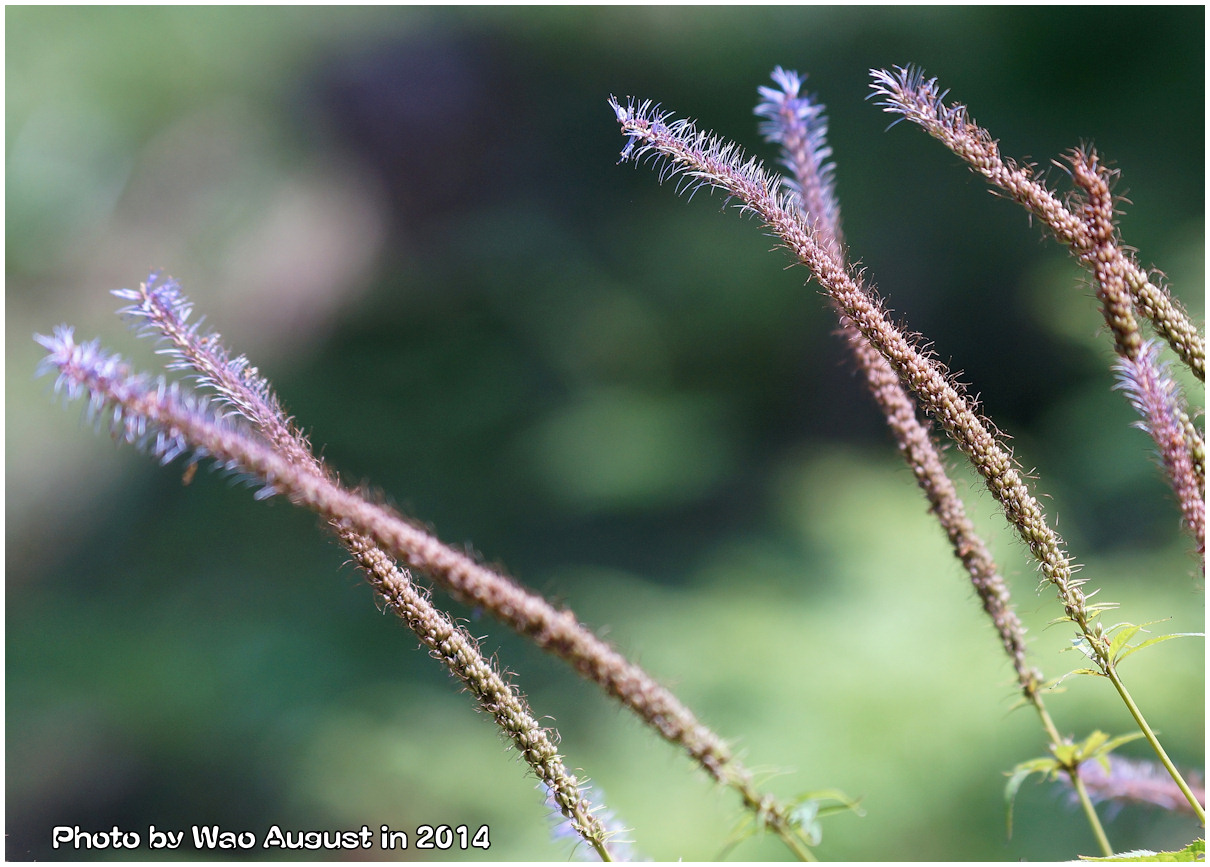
(412, 220)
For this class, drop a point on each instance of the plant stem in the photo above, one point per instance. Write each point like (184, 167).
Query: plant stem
(1077, 783)
(1198, 809)
(801, 852)
(162, 304)
(1090, 811)
(601, 849)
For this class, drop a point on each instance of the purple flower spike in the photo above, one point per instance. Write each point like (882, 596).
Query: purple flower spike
(798, 124)
(1152, 391)
(148, 413)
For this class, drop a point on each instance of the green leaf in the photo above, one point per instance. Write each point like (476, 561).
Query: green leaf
(1065, 754)
(1119, 640)
(1082, 751)
(810, 807)
(746, 827)
(1090, 671)
(1018, 776)
(827, 795)
(1096, 746)
(1157, 640)
(1107, 747)
(1054, 685)
(1195, 851)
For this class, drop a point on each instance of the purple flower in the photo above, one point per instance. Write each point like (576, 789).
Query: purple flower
(1135, 781)
(799, 125)
(151, 414)
(1152, 391)
(562, 828)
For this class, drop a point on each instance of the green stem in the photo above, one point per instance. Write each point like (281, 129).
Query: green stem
(1090, 811)
(602, 849)
(801, 852)
(1094, 821)
(772, 814)
(1112, 674)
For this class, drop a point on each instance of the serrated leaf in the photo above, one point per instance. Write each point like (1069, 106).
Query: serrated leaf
(1195, 851)
(1132, 855)
(1157, 640)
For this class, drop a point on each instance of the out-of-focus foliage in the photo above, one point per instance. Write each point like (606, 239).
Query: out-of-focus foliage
(412, 220)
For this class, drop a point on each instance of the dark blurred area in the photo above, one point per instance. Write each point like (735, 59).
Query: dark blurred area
(413, 222)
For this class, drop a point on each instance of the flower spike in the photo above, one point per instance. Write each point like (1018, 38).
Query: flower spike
(799, 125)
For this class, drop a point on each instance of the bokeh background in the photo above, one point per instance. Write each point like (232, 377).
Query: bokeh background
(413, 221)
